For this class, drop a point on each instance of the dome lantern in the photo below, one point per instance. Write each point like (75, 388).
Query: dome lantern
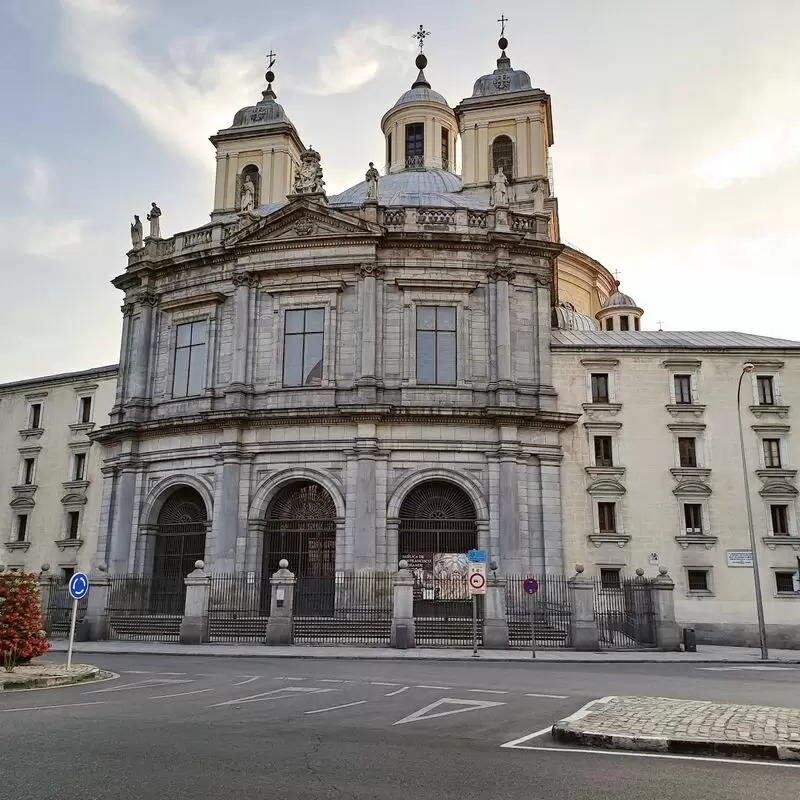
(619, 312)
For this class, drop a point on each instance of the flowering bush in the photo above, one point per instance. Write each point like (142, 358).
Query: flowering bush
(21, 634)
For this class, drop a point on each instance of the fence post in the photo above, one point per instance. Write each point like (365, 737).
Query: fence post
(45, 579)
(403, 634)
(194, 625)
(582, 624)
(280, 627)
(96, 616)
(667, 633)
(495, 623)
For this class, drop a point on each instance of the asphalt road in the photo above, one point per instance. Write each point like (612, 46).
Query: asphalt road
(199, 728)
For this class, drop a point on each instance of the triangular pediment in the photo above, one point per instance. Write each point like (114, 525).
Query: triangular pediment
(304, 220)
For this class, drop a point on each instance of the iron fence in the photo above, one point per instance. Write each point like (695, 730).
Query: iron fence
(624, 613)
(238, 607)
(345, 609)
(443, 612)
(145, 608)
(58, 613)
(544, 616)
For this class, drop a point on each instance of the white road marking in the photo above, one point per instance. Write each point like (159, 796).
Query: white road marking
(335, 708)
(425, 686)
(380, 683)
(149, 683)
(171, 673)
(249, 680)
(461, 707)
(755, 667)
(178, 694)
(274, 694)
(44, 708)
(399, 691)
(487, 691)
(550, 696)
(136, 671)
(288, 678)
(522, 739)
(333, 680)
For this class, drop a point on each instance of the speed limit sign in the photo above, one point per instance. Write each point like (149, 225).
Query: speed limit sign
(477, 578)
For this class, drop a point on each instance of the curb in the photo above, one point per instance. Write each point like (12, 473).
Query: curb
(562, 732)
(43, 682)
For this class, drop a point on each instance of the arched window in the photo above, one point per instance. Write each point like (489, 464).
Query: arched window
(503, 156)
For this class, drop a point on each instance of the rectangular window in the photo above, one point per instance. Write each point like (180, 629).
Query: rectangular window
(388, 151)
(698, 580)
(687, 451)
(610, 578)
(600, 387)
(603, 456)
(607, 517)
(693, 518)
(73, 523)
(35, 416)
(415, 145)
(67, 573)
(190, 359)
(302, 347)
(445, 149)
(772, 453)
(610, 324)
(784, 582)
(683, 389)
(79, 467)
(766, 390)
(624, 324)
(28, 467)
(85, 411)
(780, 520)
(436, 345)
(22, 527)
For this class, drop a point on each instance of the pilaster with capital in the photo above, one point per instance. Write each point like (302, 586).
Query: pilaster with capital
(227, 526)
(140, 347)
(243, 284)
(369, 273)
(503, 275)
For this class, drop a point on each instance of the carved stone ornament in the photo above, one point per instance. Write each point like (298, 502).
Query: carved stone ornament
(502, 80)
(502, 273)
(370, 271)
(304, 227)
(244, 279)
(127, 309)
(308, 178)
(148, 298)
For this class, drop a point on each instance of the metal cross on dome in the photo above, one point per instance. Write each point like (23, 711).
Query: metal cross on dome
(503, 19)
(420, 35)
(271, 56)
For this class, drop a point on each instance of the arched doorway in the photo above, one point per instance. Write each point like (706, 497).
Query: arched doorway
(180, 541)
(301, 527)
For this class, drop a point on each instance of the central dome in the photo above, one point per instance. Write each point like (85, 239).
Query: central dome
(420, 94)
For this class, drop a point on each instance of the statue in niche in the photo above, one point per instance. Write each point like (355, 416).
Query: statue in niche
(248, 197)
(539, 194)
(308, 178)
(372, 183)
(137, 233)
(500, 188)
(155, 222)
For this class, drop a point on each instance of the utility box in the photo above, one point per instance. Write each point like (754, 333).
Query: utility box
(689, 640)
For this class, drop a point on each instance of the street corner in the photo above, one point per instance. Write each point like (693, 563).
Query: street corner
(43, 676)
(698, 727)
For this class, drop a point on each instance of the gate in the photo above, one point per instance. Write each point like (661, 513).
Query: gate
(144, 608)
(443, 611)
(58, 613)
(238, 607)
(624, 613)
(550, 607)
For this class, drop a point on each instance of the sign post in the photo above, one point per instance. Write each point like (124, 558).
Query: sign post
(531, 587)
(477, 585)
(78, 589)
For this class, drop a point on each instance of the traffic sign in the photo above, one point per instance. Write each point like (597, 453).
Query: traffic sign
(530, 585)
(477, 578)
(477, 556)
(78, 586)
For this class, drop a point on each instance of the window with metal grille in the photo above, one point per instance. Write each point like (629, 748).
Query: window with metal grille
(610, 324)
(79, 466)
(603, 455)
(687, 451)
(436, 345)
(698, 580)
(693, 517)
(784, 582)
(503, 156)
(302, 347)
(445, 149)
(600, 387)
(610, 578)
(190, 359)
(415, 145)
(624, 323)
(780, 520)
(22, 527)
(28, 468)
(766, 390)
(73, 524)
(683, 389)
(35, 416)
(85, 410)
(607, 517)
(772, 453)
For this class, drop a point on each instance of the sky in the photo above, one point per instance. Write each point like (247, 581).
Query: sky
(676, 157)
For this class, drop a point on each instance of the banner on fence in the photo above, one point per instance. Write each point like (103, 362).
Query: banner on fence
(439, 576)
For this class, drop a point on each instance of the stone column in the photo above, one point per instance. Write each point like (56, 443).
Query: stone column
(96, 617)
(503, 275)
(667, 633)
(122, 524)
(550, 470)
(140, 349)
(403, 610)
(225, 524)
(242, 282)
(194, 625)
(364, 543)
(280, 623)
(508, 503)
(495, 622)
(543, 359)
(45, 586)
(582, 624)
(367, 380)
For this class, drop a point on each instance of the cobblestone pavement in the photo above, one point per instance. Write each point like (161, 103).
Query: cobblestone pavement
(659, 723)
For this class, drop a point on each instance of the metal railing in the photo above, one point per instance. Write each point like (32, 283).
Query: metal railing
(238, 607)
(443, 611)
(58, 612)
(624, 614)
(144, 608)
(548, 612)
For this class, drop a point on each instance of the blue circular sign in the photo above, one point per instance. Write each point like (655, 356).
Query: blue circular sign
(78, 586)
(530, 585)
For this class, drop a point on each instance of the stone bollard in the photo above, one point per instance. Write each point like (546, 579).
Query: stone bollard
(495, 621)
(96, 616)
(45, 587)
(280, 625)
(194, 625)
(667, 632)
(582, 624)
(403, 634)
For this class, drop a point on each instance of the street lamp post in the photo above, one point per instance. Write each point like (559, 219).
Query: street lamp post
(762, 629)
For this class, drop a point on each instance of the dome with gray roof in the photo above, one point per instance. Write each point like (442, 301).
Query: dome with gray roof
(619, 300)
(420, 94)
(504, 79)
(264, 112)
(566, 318)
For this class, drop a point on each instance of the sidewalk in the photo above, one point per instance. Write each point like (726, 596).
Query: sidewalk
(706, 654)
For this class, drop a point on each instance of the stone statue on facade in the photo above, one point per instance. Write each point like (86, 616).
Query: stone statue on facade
(500, 188)
(248, 197)
(308, 178)
(136, 233)
(155, 223)
(539, 191)
(372, 183)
